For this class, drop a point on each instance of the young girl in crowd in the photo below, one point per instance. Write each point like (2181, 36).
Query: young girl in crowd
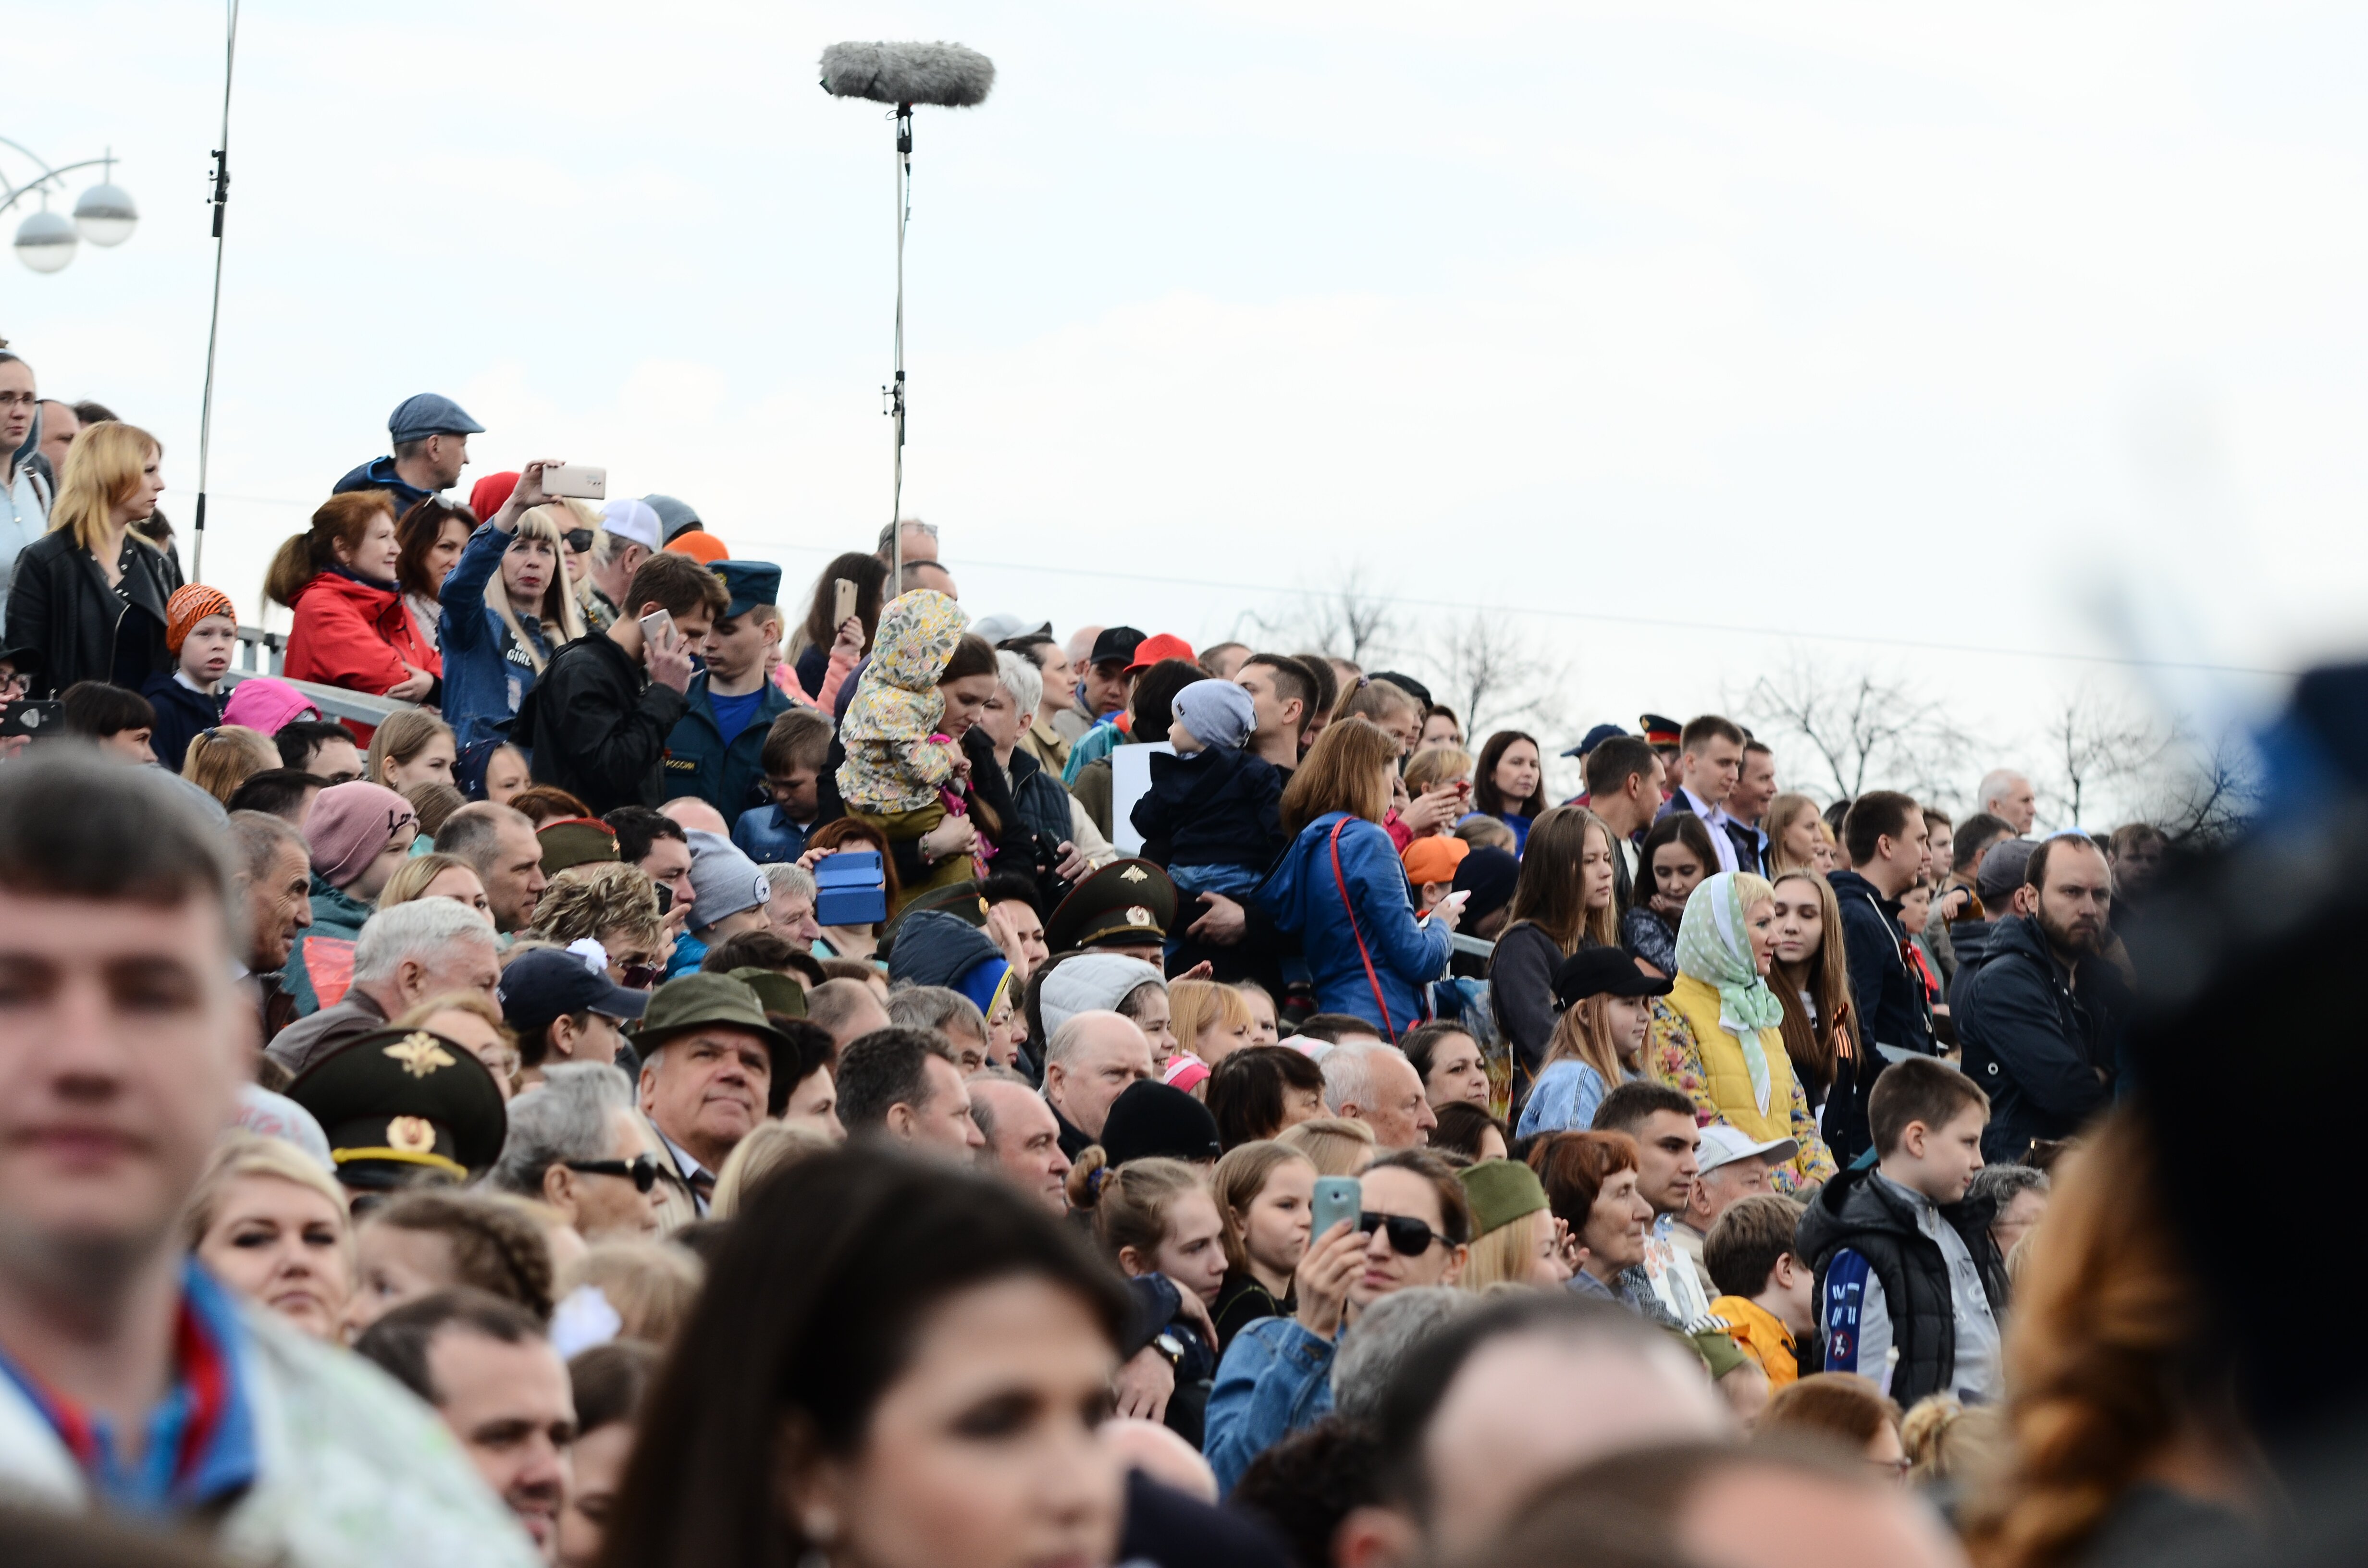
(351, 627)
(1509, 784)
(1597, 1041)
(826, 651)
(1156, 1220)
(436, 876)
(1265, 1024)
(1262, 1190)
(1675, 856)
(1469, 1131)
(1795, 832)
(430, 1240)
(1562, 902)
(201, 633)
(1210, 1022)
(220, 759)
(1810, 975)
(410, 748)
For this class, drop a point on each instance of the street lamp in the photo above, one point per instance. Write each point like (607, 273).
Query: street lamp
(104, 214)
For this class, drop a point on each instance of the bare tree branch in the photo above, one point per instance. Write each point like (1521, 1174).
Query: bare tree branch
(1868, 730)
(1346, 620)
(2095, 743)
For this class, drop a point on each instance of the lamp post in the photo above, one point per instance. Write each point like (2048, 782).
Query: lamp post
(104, 214)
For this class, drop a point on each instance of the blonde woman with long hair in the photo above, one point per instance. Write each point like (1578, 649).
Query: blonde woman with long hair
(90, 594)
(505, 608)
(1597, 1041)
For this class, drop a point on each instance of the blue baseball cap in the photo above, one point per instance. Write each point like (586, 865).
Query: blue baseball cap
(547, 982)
(1594, 738)
(429, 414)
(752, 583)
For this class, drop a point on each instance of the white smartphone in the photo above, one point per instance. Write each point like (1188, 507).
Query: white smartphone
(842, 602)
(654, 623)
(578, 480)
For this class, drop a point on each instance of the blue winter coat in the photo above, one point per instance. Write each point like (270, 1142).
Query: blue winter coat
(731, 779)
(1301, 895)
(486, 673)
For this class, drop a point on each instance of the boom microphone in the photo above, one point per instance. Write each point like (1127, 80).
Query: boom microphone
(943, 74)
(903, 74)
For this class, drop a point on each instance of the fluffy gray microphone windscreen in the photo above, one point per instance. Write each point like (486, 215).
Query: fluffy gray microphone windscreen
(943, 74)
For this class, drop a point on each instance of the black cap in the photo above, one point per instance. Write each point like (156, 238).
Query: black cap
(1151, 1119)
(399, 1103)
(1660, 732)
(25, 657)
(1126, 904)
(1406, 684)
(1488, 874)
(1604, 971)
(1594, 738)
(1116, 642)
(553, 983)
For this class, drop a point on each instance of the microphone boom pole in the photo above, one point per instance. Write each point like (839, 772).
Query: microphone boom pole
(901, 75)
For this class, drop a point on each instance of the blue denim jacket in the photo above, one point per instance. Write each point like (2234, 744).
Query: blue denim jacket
(1275, 1377)
(483, 684)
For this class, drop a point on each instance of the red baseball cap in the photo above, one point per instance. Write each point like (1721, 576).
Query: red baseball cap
(1151, 650)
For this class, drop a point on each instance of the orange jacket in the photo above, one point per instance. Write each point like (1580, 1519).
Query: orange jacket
(1763, 1337)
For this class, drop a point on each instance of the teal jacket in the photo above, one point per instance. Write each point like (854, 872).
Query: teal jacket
(731, 779)
(321, 965)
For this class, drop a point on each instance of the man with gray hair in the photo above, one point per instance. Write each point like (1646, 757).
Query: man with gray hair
(1378, 1343)
(1366, 1081)
(2008, 796)
(576, 1143)
(499, 845)
(849, 1009)
(274, 882)
(951, 1015)
(404, 956)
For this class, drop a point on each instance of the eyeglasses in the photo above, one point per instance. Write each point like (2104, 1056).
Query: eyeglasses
(1408, 1237)
(1896, 1470)
(642, 1172)
(578, 539)
(640, 976)
(27, 400)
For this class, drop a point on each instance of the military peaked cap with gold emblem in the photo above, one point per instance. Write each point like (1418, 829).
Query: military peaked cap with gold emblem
(1127, 904)
(398, 1104)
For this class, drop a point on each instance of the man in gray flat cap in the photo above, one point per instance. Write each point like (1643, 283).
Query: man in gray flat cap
(430, 433)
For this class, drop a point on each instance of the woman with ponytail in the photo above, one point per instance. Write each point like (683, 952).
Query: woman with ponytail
(90, 596)
(2127, 1444)
(352, 628)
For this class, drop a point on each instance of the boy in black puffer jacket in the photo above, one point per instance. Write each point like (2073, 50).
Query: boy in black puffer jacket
(1908, 1281)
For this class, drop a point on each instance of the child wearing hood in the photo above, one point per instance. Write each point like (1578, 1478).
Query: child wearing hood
(1212, 817)
(899, 768)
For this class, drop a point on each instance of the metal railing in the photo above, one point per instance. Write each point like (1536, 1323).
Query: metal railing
(270, 648)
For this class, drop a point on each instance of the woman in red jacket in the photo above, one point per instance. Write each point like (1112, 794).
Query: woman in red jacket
(352, 627)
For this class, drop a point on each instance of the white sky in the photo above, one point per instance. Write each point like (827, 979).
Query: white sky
(1930, 323)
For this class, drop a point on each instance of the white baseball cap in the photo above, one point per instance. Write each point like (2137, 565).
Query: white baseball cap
(628, 518)
(1723, 1145)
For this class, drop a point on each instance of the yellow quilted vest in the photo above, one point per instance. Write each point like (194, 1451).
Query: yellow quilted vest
(1730, 1081)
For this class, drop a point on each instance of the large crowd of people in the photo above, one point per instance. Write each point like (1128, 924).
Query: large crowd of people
(688, 1075)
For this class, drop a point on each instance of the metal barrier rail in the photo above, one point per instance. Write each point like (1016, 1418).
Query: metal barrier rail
(270, 648)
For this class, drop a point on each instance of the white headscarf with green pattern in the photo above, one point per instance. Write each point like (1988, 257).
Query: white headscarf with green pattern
(1714, 947)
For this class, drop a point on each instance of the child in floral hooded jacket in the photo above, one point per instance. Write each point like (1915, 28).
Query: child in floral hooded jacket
(896, 761)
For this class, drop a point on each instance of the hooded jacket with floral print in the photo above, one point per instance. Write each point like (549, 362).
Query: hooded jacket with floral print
(892, 765)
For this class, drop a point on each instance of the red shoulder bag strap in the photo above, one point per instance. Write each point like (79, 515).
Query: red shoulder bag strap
(1340, 881)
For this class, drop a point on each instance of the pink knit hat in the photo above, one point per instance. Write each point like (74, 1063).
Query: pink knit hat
(265, 703)
(348, 827)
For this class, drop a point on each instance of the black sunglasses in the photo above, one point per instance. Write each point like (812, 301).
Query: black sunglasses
(578, 539)
(641, 976)
(1409, 1238)
(642, 1173)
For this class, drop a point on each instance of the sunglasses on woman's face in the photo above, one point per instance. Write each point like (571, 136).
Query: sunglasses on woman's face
(1408, 1237)
(642, 1172)
(640, 976)
(578, 539)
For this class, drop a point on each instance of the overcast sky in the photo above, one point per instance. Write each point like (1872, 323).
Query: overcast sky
(1936, 325)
